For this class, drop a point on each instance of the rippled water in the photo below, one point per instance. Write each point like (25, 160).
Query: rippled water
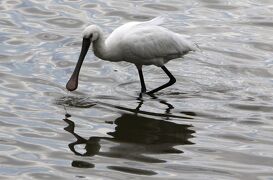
(214, 123)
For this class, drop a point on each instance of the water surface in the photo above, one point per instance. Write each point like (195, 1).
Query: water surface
(214, 123)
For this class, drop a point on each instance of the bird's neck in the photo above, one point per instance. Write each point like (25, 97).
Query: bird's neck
(99, 48)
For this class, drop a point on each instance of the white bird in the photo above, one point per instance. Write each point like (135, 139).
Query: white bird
(140, 43)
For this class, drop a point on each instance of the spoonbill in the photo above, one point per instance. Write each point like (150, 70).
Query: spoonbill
(140, 43)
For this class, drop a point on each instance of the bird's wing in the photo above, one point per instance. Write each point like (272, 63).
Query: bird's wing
(150, 42)
(119, 32)
(154, 22)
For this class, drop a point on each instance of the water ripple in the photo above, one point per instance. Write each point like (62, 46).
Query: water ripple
(38, 12)
(66, 22)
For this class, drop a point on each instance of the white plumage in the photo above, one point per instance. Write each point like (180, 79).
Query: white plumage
(141, 43)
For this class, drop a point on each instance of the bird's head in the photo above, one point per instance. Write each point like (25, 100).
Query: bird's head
(90, 34)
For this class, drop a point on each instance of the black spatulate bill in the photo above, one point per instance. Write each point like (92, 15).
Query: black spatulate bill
(72, 84)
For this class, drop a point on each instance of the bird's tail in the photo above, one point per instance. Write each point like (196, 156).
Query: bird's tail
(197, 47)
(194, 46)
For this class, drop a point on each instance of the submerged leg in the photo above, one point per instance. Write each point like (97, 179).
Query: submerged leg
(143, 87)
(171, 81)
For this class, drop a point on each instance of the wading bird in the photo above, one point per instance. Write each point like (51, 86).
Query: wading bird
(140, 43)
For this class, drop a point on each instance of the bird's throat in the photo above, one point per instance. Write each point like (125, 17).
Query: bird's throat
(100, 49)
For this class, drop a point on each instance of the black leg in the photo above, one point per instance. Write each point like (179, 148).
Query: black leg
(143, 87)
(171, 82)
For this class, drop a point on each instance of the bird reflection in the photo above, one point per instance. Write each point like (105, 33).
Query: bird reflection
(135, 137)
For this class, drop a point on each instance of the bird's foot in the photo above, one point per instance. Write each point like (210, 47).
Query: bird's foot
(141, 95)
(150, 93)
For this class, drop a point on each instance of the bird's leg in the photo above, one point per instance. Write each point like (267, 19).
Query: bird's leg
(171, 81)
(143, 87)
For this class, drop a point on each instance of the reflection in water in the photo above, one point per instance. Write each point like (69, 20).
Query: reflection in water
(134, 138)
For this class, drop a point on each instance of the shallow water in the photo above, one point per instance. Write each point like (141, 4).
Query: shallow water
(214, 123)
